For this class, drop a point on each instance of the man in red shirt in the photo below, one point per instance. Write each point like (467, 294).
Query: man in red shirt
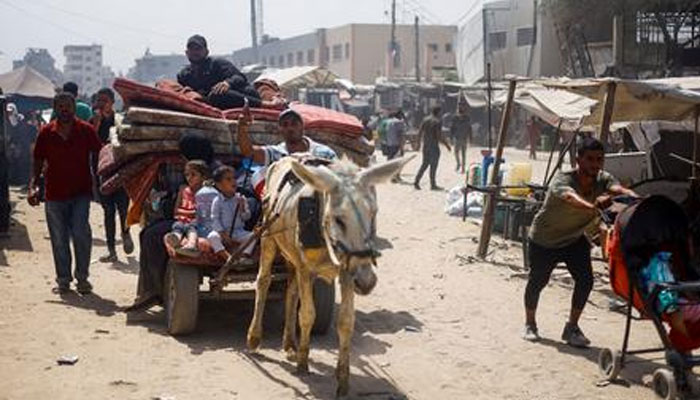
(65, 146)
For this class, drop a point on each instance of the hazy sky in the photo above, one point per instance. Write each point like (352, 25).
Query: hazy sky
(127, 27)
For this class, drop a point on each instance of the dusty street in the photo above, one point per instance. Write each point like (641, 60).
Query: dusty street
(439, 325)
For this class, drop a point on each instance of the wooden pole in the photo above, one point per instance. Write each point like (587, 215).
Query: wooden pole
(695, 144)
(608, 112)
(490, 206)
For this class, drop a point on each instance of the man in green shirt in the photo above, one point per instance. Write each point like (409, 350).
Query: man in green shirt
(82, 110)
(557, 235)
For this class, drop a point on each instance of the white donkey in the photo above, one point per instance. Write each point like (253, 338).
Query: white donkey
(348, 210)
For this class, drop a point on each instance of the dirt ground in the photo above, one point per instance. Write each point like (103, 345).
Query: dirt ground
(439, 325)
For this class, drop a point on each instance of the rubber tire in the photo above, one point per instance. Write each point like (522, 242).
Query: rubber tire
(324, 303)
(182, 298)
(664, 384)
(610, 363)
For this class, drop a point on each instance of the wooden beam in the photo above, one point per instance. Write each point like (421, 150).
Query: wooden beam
(608, 112)
(490, 206)
(695, 144)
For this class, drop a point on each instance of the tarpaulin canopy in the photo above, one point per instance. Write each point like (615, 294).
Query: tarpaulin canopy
(27, 82)
(556, 107)
(657, 100)
(297, 77)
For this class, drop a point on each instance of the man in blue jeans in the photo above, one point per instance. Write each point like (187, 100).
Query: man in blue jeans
(64, 147)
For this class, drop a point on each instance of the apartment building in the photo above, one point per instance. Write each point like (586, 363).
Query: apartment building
(360, 52)
(84, 67)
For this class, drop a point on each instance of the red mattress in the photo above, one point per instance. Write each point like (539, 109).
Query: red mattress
(138, 94)
(315, 118)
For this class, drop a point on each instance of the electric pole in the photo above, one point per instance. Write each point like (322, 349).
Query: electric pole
(392, 45)
(417, 50)
(254, 29)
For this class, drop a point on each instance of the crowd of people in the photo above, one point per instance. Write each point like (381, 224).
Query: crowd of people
(212, 205)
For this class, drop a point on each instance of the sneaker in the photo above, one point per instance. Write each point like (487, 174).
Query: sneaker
(437, 188)
(573, 336)
(84, 287)
(143, 303)
(530, 333)
(127, 243)
(109, 257)
(172, 240)
(416, 186)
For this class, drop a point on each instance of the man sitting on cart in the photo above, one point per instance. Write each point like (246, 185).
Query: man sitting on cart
(557, 235)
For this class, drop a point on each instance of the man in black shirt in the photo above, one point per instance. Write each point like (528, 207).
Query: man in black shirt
(461, 133)
(103, 121)
(430, 138)
(220, 83)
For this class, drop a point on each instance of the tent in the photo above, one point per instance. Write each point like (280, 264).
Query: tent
(301, 77)
(27, 88)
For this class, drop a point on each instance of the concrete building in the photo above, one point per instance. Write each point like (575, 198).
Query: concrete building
(515, 37)
(84, 67)
(360, 52)
(42, 62)
(150, 68)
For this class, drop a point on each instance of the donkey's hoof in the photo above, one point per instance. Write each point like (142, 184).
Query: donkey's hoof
(291, 355)
(253, 342)
(302, 368)
(342, 391)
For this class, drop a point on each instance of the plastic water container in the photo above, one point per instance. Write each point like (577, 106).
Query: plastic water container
(519, 174)
(474, 174)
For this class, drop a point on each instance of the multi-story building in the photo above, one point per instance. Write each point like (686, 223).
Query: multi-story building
(360, 52)
(84, 67)
(151, 68)
(42, 62)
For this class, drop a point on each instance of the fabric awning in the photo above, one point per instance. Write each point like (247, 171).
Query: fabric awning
(297, 77)
(27, 82)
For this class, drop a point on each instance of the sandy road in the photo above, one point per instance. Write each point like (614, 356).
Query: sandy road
(438, 326)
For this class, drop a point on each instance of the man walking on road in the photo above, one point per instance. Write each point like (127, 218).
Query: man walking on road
(65, 146)
(461, 133)
(557, 235)
(429, 137)
(117, 202)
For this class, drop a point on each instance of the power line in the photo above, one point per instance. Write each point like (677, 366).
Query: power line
(475, 4)
(59, 26)
(97, 19)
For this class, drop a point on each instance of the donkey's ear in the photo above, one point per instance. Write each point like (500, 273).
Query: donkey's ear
(320, 178)
(383, 172)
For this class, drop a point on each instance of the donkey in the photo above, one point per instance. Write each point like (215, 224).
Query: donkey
(348, 209)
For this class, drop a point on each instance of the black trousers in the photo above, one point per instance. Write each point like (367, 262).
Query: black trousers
(153, 259)
(235, 98)
(431, 158)
(576, 256)
(117, 202)
(461, 154)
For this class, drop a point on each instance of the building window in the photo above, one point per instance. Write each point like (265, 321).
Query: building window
(88, 59)
(347, 50)
(337, 52)
(300, 58)
(272, 61)
(290, 59)
(311, 57)
(526, 37)
(326, 54)
(448, 47)
(264, 61)
(433, 47)
(280, 59)
(497, 41)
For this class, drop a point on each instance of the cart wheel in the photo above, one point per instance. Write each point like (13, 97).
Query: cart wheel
(182, 302)
(610, 363)
(324, 303)
(664, 384)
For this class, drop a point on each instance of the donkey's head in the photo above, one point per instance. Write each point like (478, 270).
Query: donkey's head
(349, 213)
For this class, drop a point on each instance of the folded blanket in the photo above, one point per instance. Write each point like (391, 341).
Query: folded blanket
(154, 116)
